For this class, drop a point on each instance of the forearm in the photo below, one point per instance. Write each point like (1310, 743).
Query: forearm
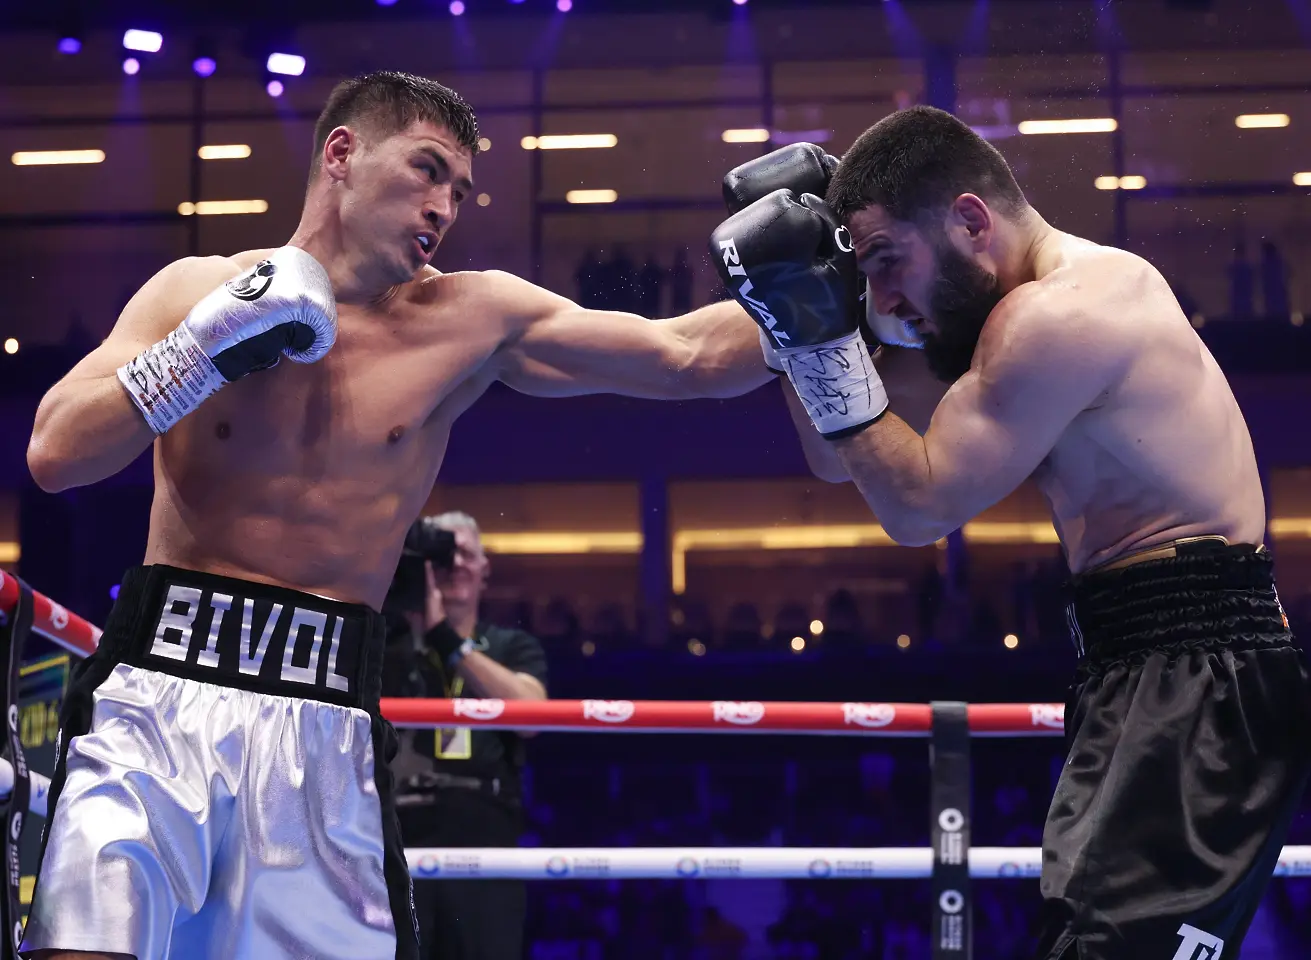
(821, 456)
(721, 351)
(487, 678)
(85, 430)
(889, 463)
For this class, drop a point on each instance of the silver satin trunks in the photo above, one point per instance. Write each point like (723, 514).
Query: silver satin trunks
(222, 787)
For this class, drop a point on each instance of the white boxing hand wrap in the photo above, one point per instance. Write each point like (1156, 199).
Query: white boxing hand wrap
(170, 379)
(837, 383)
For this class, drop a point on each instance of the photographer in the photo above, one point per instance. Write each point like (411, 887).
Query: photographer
(458, 787)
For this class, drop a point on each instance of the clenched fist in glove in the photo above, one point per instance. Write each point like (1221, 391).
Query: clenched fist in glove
(789, 263)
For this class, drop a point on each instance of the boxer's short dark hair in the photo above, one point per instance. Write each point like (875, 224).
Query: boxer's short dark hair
(917, 161)
(389, 102)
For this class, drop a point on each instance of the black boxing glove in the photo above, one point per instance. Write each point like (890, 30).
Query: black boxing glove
(790, 264)
(799, 167)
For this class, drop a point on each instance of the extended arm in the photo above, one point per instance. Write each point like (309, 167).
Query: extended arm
(563, 350)
(1033, 373)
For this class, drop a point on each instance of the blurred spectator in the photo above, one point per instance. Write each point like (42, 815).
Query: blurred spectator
(742, 629)
(650, 280)
(609, 628)
(680, 285)
(559, 627)
(842, 624)
(1274, 282)
(792, 620)
(1242, 284)
(588, 279)
(619, 283)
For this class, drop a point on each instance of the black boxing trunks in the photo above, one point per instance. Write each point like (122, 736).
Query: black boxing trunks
(1187, 732)
(222, 787)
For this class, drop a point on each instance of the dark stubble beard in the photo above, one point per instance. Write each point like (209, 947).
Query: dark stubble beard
(959, 303)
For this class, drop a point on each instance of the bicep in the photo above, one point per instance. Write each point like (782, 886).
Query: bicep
(989, 433)
(570, 351)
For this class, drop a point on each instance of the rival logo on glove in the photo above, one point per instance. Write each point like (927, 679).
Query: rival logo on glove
(733, 261)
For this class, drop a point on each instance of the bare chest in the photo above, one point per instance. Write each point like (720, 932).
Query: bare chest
(382, 397)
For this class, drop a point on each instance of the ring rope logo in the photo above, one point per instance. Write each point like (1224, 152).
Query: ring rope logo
(1049, 715)
(58, 616)
(478, 709)
(608, 711)
(742, 714)
(871, 716)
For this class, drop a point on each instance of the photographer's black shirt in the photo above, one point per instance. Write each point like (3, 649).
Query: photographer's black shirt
(494, 756)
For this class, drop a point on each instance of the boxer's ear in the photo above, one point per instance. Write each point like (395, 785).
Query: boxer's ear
(338, 147)
(976, 218)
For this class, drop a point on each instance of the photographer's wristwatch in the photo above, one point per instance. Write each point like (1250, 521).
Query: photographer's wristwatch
(446, 642)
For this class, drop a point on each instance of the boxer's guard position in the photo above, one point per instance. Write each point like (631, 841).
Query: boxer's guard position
(1188, 725)
(221, 787)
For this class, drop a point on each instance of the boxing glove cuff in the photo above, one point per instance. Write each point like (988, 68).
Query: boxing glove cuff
(170, 379)
(837, 383)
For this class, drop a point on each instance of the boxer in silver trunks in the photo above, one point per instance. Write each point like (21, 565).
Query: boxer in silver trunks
(221, 787)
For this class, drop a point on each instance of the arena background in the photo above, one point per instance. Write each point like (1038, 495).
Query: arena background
(681, 550)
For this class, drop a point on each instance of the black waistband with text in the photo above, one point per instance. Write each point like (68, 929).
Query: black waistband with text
(251, 636)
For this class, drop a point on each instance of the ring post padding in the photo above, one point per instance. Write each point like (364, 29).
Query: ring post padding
(949, 803)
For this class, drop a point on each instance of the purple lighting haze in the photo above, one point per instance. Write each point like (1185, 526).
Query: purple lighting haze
(131, 66)
(564, 6)
(204, 66)
(457, 7)
(70, 45)
(740, 3)
(385, 3)
(274, 88)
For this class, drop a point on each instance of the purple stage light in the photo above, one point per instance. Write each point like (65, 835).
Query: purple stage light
(385, 3)
(457, 8)
(740, 3)
(70, 45)
(564, 6)
(146, 41)
(113, 592)
(131, 66)
(204, 66)
(274, 88)
(288, 64)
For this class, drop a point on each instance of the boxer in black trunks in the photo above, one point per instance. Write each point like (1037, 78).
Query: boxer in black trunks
(1071, 363)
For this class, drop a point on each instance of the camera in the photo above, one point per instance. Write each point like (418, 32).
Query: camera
(424, 541)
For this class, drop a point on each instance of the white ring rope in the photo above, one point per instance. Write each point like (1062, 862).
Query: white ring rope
(684, 863)
(741, 863)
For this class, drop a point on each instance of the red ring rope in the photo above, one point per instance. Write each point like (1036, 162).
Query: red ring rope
(650, 716)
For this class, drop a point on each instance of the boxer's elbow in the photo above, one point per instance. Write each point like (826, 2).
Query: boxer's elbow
(48, 467)
(915, 528)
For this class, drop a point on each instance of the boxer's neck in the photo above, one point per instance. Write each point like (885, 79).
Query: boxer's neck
(1018, 249)
(355, 279)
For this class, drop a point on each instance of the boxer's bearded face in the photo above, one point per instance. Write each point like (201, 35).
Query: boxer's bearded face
(960, 298)
(405, 192)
